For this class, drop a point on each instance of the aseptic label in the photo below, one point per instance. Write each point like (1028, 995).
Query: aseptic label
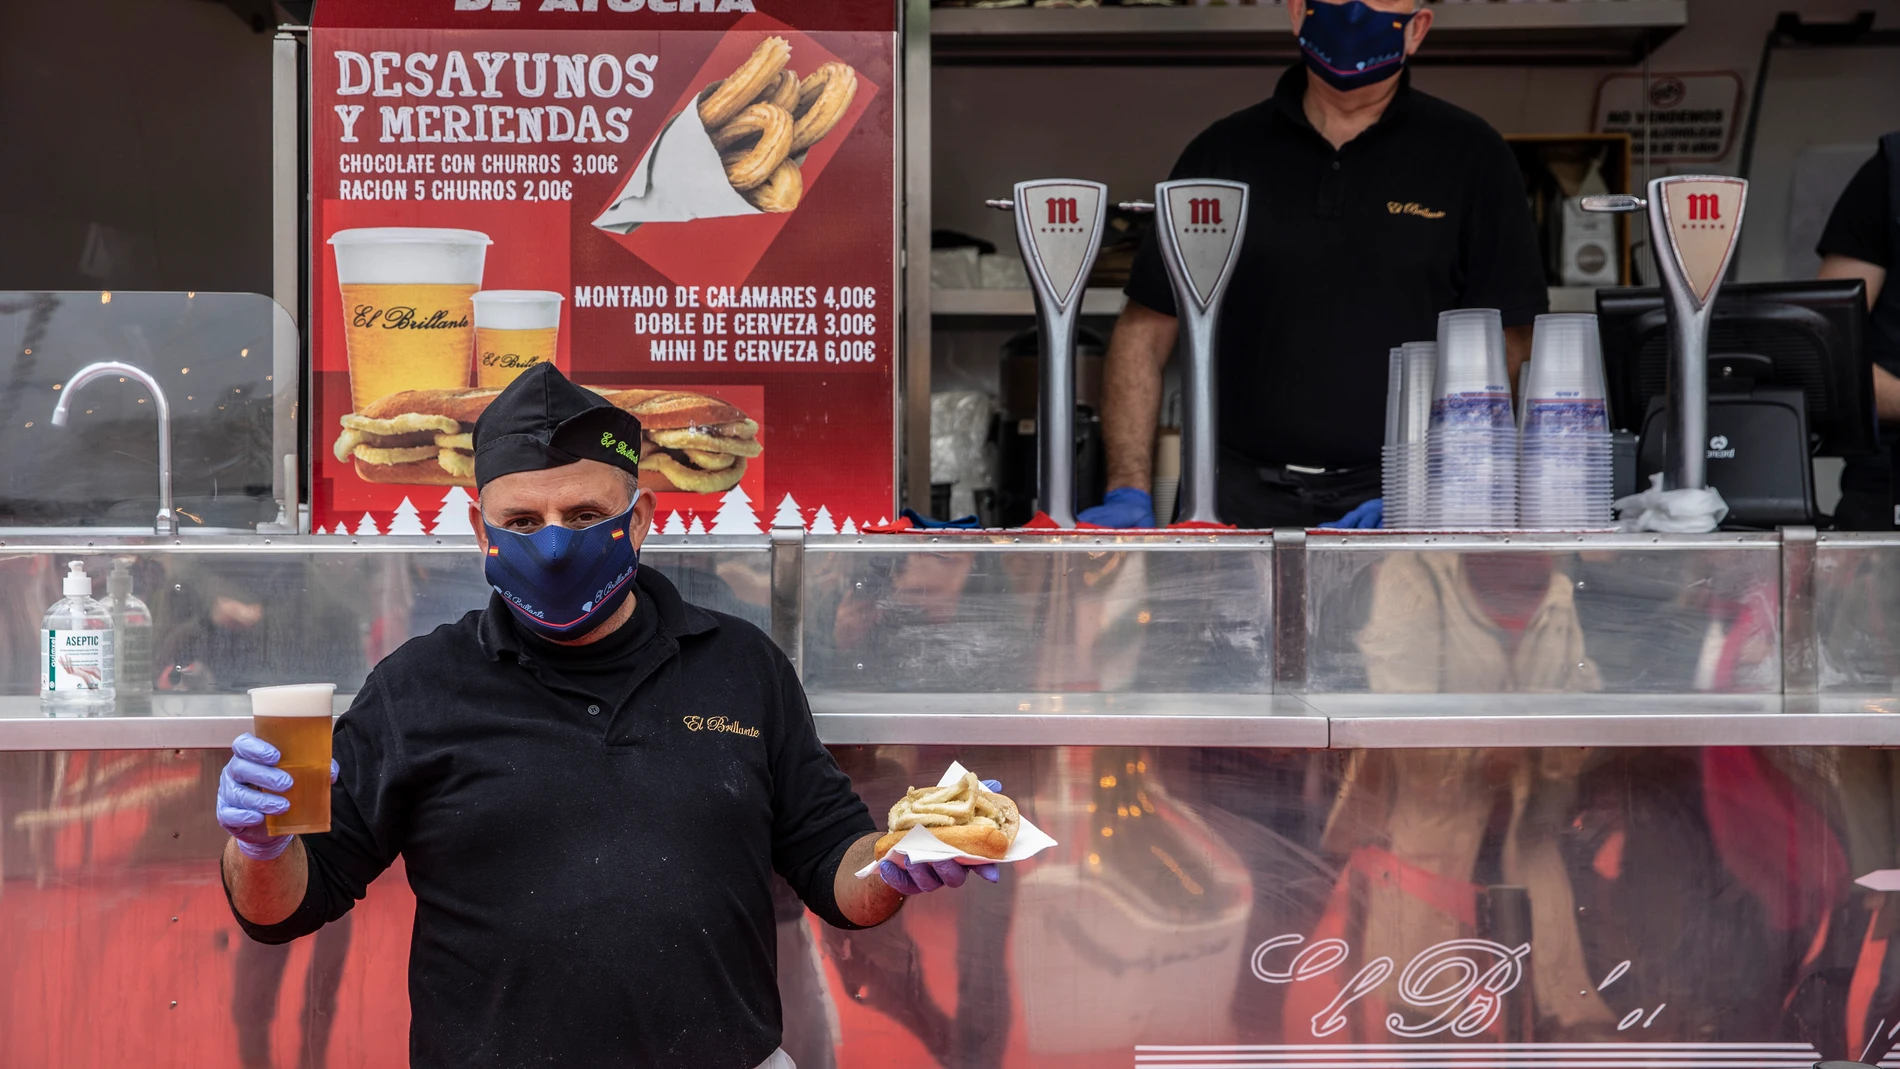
(75, 660)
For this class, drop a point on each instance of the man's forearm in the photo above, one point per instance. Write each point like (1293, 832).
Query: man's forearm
(266, 892)
(1131, 393)
(868, 901)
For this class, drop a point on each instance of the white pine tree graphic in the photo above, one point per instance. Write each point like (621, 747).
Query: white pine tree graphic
(882, 521)
(406, 521)
(453, 518)
(736, 514)
(821, 523)
(703, 528)
(847, 527)
(788, 514)
(366, 526)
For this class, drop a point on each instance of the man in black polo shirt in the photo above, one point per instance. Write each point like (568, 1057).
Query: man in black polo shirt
(1374, 207)
(1862, 240)
(591, 783)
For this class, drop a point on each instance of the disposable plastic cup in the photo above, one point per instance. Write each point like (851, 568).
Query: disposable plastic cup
(1472, 477)
(296, 720)
(1421, 370)
(1566, 357)
(1564, 391)
(1394, 394)
(1471, 354)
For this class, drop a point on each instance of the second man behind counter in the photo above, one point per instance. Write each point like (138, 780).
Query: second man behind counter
(1374, 208)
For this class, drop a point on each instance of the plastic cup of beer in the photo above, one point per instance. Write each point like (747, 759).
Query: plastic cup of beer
(296, 720)
(408, 323)
(514, 330)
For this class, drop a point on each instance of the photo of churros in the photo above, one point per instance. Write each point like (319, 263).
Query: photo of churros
(763, 117)
(690, 442)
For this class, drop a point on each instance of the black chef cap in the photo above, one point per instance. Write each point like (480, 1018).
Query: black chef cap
(544, 421)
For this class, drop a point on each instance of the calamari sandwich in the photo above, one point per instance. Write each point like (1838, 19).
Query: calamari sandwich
(691, 442)
(422, 437)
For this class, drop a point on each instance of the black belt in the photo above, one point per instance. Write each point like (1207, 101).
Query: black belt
(1307, 475)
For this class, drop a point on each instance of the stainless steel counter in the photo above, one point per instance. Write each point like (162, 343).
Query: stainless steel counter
(1351, 641)
(1321, 800)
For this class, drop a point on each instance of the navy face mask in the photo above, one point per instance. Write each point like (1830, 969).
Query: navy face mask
(1351, 45)
(560, 582)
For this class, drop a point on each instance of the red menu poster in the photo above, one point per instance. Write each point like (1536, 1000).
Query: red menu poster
(687, 205)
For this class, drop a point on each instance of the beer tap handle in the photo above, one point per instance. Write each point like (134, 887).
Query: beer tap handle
(1059, 230)
(1136, 206)
(1614, 202)
(1200, 225)
(1003, 205)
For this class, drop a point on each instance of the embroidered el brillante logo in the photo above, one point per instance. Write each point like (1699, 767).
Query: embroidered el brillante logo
(719, 723)
(1412, 207)
(609, 442)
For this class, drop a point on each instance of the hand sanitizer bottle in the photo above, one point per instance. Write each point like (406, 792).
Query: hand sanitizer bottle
(76, 662)
(131, 640)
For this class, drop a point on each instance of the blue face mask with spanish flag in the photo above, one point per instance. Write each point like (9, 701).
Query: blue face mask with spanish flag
(1352, 45)
(561, 583)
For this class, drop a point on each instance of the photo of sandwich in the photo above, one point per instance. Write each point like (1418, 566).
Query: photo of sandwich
(690, 442)
(416, 437)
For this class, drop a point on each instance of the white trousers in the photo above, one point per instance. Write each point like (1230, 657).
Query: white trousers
(778, 1060)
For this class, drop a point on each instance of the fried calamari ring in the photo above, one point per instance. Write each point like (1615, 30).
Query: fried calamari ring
(823, 99)
(779, 193)
(760, 71)
(749, 166)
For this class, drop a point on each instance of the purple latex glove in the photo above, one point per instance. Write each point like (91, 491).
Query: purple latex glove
(244, 796)
(909, 877)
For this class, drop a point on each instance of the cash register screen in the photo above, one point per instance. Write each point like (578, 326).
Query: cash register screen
(1801, 335)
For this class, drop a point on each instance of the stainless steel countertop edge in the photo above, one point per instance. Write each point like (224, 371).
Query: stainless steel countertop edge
(18, 544)
(1461, 732)
(1277, 721)
(1027, 729)
(121, 733)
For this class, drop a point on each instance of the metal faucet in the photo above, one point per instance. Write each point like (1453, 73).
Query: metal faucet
(166, 522)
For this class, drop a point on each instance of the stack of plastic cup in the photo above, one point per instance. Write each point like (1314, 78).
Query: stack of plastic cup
(1564, 474)
(1471, 474)
(1391, 487)
(1408, 418)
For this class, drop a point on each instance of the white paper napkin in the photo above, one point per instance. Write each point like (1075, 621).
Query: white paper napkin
(919, 845)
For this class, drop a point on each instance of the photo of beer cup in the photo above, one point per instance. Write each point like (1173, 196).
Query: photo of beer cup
(296, 720)
(407, 318)
(514, 330)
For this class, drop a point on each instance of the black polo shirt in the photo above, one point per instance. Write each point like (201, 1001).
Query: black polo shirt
(1861, 224)
(592, 878)
(1349, 253)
